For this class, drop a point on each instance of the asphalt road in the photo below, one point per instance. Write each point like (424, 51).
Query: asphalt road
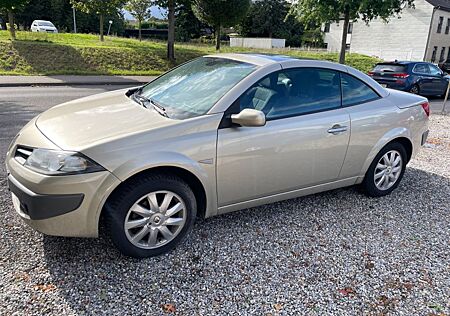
(334, 253)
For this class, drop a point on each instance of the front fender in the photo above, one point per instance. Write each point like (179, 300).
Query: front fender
(204, 172)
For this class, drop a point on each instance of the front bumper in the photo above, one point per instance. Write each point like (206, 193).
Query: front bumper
(67, 206)
(35, 206)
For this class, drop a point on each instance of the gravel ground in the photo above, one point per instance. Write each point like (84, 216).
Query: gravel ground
(336, 253)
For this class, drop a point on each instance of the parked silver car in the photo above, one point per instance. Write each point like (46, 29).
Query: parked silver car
(217, 134)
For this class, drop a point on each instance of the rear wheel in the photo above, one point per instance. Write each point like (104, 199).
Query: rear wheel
(386, 171)
(415, 89)
(151, 215)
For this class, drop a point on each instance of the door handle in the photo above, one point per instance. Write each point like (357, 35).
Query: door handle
(337, 129)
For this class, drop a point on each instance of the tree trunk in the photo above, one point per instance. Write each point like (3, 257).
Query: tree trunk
(218, 37)
(12, 29)
(101, 27)
(140, 30)
(344, 36)
(171, 31)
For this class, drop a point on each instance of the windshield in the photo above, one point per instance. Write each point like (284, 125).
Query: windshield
(45, 24)
(193, 88)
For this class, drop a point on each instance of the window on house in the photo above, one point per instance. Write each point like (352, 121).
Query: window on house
(441, 58)
(350, 28)
(441, 21)
(327, 28)
(447, 28)
(433, 56)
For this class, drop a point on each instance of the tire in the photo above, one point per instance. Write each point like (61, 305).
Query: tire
(131, 205)
(369, 184)
(415, 89)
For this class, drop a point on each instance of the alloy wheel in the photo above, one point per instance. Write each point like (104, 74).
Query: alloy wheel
(155, 219)
(388, 170)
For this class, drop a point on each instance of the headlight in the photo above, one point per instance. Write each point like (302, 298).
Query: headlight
(57, 162)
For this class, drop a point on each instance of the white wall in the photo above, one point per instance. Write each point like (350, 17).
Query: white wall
(263, 43)
(403, 38)
(438, 39)
(333, 38)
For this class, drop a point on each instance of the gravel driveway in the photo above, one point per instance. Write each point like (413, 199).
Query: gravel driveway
(335, 253)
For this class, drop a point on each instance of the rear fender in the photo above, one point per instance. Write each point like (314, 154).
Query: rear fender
(391, 135)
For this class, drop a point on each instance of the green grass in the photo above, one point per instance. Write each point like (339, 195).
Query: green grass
(51, 54)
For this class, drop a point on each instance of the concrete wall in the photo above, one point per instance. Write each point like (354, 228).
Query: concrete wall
(333, 38)
(439, 40)
(403, 38)
(263, 43)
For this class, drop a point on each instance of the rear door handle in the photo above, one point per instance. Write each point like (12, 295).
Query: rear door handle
(337, 129)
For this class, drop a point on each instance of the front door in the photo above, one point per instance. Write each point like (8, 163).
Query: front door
(304, 142)
(438, 83)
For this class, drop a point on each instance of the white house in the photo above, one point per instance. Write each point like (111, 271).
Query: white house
(420, 33)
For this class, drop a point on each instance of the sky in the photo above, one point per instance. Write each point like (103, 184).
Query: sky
(156, 12)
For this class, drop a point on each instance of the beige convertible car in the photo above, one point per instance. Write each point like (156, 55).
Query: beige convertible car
(217, 134)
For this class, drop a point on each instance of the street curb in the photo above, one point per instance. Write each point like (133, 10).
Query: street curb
(86, 83)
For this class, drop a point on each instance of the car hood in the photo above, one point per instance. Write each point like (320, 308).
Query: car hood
(92, 120)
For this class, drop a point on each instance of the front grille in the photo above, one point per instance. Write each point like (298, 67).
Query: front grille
(22, 153)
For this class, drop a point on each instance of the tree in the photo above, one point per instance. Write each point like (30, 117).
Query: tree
(270, 18)
(11, 6)
(140, 9)
(99, 7)
(187, 26)
(348, 10)
(220, 13)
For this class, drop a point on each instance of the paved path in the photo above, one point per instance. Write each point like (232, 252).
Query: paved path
(20, 81)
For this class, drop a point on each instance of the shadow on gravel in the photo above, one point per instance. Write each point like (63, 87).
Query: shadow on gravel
(299, 249)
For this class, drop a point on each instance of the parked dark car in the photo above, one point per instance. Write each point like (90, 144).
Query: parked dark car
(445, 66)
(416, 77)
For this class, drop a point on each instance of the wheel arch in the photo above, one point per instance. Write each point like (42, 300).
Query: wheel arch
(190, 178)
(400, 136)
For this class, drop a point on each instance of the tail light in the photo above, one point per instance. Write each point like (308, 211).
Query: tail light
(426, 108)
(400, 76)
(371, 73)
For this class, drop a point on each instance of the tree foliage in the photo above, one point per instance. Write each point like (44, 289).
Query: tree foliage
(13, 5)
(348, 10)
(140, 10)
(186, 23)
(270, 18)
(220, 13)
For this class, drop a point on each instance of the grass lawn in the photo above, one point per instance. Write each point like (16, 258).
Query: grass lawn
(51, 54)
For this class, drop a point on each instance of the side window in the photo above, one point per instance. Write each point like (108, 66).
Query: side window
(421, 69)
(354, 91)
(434, 71)
(294, 92)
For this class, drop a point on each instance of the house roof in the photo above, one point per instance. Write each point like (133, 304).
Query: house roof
(442, 4)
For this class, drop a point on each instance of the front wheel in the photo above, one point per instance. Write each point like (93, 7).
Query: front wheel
(386, 171)
(150, 215)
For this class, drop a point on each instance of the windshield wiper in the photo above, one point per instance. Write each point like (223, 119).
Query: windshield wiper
(144, 101)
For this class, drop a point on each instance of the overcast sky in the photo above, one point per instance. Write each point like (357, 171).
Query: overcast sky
(157, 12)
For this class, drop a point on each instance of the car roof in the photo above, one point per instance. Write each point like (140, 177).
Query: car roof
(42, 21)
(402, 62)
(260, 59)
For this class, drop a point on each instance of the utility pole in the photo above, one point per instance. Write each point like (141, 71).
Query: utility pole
(109, 28)
(74, 21)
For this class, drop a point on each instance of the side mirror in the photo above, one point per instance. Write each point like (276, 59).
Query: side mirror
(249, 118)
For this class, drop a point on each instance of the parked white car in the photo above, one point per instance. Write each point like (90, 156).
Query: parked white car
(43, 26)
